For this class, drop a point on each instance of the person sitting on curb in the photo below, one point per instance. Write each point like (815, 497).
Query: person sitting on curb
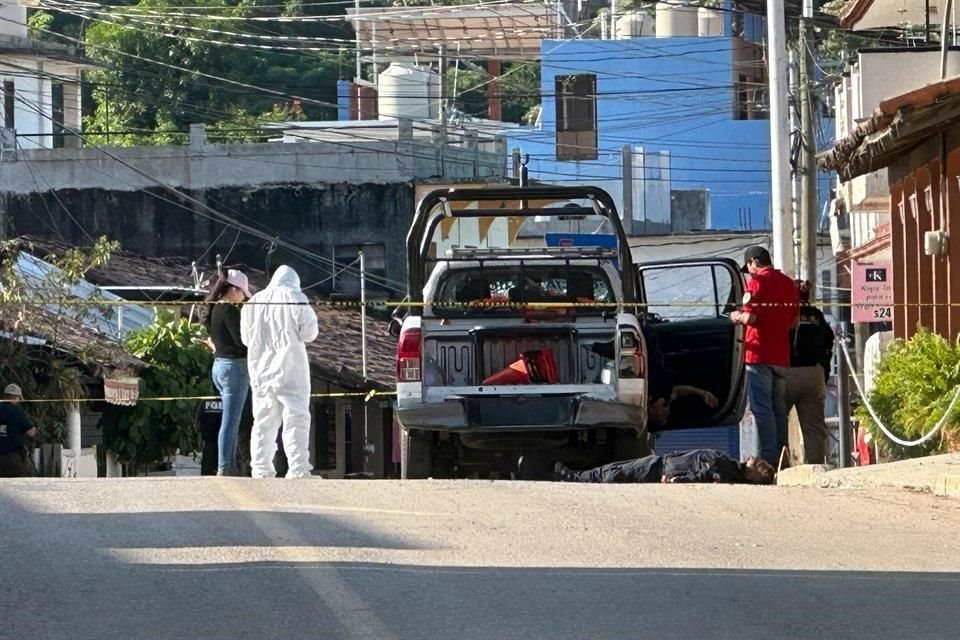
(696, 465)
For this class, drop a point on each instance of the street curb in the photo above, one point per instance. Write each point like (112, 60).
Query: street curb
(821, 476)
(805, 475)
(948, 486)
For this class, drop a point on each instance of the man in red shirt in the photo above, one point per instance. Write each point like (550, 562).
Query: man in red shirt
(770, 309)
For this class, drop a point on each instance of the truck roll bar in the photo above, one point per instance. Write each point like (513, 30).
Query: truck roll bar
(434, 207)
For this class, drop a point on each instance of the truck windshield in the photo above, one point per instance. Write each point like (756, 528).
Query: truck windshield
(492, 290)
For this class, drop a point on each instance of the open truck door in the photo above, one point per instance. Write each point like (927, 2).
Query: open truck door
(687, 304)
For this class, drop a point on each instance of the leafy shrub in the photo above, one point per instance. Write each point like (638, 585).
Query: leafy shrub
(915, 383)
(179, 367)
(35, 307)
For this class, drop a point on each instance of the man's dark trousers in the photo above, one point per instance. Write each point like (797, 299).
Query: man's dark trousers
(646, 469)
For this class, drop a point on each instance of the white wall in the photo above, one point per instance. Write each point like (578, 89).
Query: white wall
(10, 14)
(692, 246)
(875, 77)
(33, 106)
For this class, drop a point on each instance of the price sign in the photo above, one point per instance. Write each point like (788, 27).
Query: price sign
(872, 294)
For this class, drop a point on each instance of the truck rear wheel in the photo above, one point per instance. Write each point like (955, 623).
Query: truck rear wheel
(416, 454)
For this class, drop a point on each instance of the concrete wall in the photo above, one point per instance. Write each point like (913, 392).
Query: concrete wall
(316, 195)
(689, 210)
(205, 166)
(316, 217)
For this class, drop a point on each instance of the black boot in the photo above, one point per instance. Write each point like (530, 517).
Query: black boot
(532, 467)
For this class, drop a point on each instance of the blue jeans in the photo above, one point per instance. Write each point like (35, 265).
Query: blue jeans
(767, 393)
(233, 382)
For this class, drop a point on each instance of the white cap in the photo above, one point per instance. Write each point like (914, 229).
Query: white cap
(239, 280)
(13, 390)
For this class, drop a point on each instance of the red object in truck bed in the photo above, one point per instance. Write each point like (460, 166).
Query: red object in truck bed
(532, 367)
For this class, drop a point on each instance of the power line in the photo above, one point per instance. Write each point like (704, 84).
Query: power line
(204, 210)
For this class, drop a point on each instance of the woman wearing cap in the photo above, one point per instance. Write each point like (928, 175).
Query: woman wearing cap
(230, 376)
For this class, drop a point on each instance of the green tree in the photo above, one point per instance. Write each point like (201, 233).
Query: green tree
(43, 306)
(148, 103)
(179, 368)
(469, 87)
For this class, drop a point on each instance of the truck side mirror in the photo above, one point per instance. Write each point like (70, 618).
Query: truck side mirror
(394, 327)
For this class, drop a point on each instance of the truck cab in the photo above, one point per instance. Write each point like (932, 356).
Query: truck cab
(508, 351)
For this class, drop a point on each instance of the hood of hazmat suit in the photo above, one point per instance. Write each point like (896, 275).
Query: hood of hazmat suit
(276, 324)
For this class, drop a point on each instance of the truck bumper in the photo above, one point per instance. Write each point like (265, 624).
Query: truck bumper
(520, 413)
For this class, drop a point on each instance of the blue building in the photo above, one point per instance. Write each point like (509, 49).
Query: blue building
(681, 116)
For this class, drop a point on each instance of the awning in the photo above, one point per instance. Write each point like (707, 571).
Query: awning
(496, 32)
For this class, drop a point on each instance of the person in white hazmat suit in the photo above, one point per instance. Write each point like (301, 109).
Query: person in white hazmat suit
(276, 324)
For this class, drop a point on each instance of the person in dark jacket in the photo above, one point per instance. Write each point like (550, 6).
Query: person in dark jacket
(209, 416)
(16, 435)
(208, 421)
(697, 465)
(230, 375)
(811, 342)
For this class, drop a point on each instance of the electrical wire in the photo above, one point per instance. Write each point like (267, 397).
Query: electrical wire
(204, 210)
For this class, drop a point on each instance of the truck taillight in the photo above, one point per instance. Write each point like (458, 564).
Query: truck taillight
(408, 356)
(631, 356)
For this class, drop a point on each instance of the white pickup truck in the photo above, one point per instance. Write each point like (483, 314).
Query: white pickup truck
(505, 352)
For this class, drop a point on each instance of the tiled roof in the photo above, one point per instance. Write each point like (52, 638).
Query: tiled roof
(336, 354)
(337, 350)
(124, 269)
(101, 352)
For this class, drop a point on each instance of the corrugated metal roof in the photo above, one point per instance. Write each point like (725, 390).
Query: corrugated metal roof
(115, 322)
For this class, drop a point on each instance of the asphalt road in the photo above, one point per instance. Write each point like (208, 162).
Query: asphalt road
(236, 558)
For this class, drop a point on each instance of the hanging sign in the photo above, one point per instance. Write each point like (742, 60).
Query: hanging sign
(121, 391)
(872, 294)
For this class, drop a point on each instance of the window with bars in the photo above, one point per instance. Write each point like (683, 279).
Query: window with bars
(576, 106)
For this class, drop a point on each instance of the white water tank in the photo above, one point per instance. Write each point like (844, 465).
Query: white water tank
(14, 16)
(675, 20)
(408, 91)
(709, 22)
(634, 24)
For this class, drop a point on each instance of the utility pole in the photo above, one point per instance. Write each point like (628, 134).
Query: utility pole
(844, 430)
(626, 163)
(795, 129)
(944, 42)
(358, 72)
(808, 148)
(781, 210)
(363, 352)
